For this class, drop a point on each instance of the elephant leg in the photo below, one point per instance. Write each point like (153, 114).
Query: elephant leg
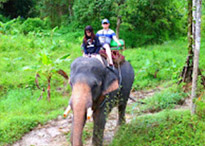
(121, 112)
(99, 118)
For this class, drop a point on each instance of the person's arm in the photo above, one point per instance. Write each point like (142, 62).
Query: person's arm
(84, 47)
(97, 34)
(115, 39)
(97, 45)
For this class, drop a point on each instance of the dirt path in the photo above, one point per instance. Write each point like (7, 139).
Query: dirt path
(52, 134)
(55, 132)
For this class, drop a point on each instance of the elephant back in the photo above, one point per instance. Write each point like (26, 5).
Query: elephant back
(84, 64)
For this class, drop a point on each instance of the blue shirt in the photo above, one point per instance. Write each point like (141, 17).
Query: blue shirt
(105, 36)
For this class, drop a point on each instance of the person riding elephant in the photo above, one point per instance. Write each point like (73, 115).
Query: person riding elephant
(95, 87)
(105, 36)
(91, 44)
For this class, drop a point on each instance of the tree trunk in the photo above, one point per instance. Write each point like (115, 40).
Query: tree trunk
(118, 26)
(49, 88)
(193, 20)
(119, 4)
(70, 6)
(196, 52)
(188, 68)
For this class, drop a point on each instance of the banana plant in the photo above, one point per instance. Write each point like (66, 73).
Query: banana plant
(48, 68)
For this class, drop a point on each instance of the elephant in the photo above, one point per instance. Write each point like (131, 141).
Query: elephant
(96, 87)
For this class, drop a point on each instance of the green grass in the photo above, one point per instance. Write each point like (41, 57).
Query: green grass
(19, 109)
(167, 128)
(166, 61)
(20, 112)
(170, 127)
(166, 99)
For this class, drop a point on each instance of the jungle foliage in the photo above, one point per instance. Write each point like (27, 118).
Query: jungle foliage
(143, 22)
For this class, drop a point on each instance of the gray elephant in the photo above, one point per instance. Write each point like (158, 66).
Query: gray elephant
(97, 87)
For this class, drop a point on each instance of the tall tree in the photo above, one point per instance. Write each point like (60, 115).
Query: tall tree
(70, 7)
(197, 42)
(119, 17)
(188, 68)
(186, 74)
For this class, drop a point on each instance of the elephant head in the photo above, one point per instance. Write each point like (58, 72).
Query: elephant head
(89, 80)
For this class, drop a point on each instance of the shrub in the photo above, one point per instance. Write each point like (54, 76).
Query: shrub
(12, 26)
(3, 19)
(152, 21)
(34, 25)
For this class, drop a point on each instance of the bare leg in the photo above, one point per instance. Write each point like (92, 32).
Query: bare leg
(108, 52)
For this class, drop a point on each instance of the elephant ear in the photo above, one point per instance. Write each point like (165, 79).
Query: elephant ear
(110, 82)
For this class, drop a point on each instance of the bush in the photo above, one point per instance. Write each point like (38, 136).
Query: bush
(200, 106)
(91, 12)
(34, 25)
(3, 19)
(153, 21)
(12, 26)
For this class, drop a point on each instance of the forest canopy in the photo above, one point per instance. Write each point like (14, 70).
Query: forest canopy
(145, 21)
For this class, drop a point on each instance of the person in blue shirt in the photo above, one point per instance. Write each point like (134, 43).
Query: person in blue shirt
(105, 36)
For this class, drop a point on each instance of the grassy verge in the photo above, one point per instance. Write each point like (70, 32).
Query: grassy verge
(174, 127)
(19, 109)
(168, 98)
(20, 112)
(159, 63)
(158, 123)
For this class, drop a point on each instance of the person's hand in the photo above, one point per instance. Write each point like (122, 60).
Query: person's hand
(119, 44)
(85, 55)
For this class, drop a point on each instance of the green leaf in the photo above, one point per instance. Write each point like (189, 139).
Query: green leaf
(45, 59)
(54, 29)
(27, 68)
(65, 56)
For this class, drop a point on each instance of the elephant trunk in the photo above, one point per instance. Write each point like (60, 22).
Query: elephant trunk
(81, 100)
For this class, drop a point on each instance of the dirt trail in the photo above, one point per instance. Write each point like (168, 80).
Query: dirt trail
(51, 134)
(55, 132)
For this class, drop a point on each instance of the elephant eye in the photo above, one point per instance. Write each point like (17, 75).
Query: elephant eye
(94, 85)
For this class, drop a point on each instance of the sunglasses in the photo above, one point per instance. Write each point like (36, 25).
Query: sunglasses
(105, 23)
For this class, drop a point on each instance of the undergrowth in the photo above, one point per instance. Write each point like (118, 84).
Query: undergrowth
(168, 98)
(166, 128)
